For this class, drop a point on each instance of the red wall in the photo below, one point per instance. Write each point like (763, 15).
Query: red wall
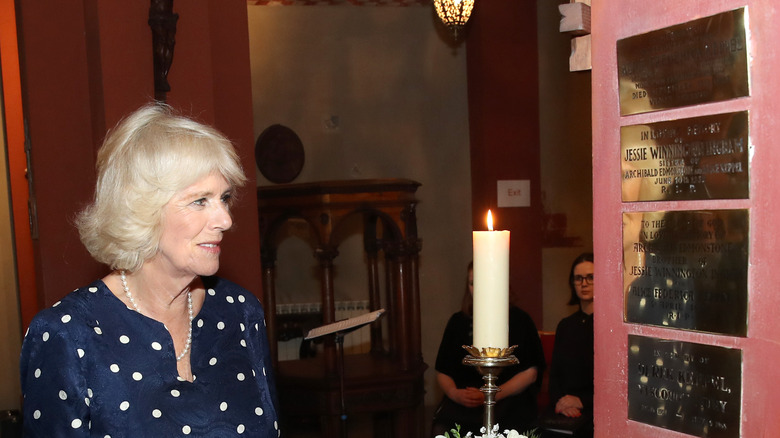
(616, 19)
(502, 66)
(85, 65)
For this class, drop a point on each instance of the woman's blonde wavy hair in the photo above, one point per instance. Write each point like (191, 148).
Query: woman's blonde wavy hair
(147, 158)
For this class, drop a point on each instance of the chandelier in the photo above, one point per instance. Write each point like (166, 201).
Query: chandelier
(454, 13)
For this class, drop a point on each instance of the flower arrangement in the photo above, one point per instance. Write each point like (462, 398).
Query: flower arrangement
(455, 433)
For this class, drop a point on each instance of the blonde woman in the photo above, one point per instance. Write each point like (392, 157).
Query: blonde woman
(159, 346)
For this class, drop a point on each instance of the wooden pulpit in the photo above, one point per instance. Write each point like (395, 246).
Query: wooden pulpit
(386, 382)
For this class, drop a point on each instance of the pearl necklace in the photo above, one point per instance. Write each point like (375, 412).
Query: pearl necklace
(189, 310)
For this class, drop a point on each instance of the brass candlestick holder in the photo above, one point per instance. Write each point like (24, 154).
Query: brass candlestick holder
(489, 362)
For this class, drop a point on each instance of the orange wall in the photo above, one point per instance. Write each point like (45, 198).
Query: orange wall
(502, 65)
(616, 19)
(17, 160)
(86, 64)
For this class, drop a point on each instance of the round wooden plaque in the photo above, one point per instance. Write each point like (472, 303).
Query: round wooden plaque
(279, 154)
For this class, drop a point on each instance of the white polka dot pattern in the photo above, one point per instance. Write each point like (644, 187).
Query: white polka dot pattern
(129, 361)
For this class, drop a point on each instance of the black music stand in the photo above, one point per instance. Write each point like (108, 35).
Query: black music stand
(338, 330)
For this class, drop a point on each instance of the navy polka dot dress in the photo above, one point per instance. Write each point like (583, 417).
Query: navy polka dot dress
(92, 367)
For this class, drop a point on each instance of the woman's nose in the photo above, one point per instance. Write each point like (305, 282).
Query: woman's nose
(222, 219)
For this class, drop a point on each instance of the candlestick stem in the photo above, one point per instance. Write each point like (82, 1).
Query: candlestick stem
(489, 367)
(490, 389)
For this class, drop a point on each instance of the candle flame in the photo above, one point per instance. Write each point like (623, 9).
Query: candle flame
(490, 221)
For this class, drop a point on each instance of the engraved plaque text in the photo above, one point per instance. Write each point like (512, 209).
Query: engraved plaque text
(683, 386)
(701, 61)
(687, 269)
(697, 158)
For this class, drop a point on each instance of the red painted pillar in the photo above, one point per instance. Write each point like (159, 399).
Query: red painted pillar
(502, 66)
(616, 19)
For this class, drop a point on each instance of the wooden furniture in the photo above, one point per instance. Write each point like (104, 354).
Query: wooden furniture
(387, 381)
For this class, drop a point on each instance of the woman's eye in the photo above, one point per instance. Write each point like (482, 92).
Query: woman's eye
(227, 197)
(200, 202)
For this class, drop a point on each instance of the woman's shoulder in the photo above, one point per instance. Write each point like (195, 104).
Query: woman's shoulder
(75, 316)
(516, 311)
(459, 318)
(227, 294)
(519, 315)
(571, 320)
(79, 302)
(223, 287)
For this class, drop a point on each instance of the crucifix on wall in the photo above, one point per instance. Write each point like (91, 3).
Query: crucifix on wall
(162, 20)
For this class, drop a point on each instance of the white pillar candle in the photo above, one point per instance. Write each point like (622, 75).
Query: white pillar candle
(491, 288)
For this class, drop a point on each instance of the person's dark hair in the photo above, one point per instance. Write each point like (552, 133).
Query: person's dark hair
(584, 257)
(467, 305)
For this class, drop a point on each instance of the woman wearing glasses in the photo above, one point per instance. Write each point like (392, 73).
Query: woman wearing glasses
(571, 372)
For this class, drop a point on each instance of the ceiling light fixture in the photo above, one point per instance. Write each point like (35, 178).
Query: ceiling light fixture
(454, 13)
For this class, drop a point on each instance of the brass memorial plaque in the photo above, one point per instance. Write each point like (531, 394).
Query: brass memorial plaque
(683, 386)
(701, 61)
(697, 158)
(687, 269)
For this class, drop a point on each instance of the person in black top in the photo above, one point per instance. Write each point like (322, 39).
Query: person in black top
(571, 371)
(462, 403)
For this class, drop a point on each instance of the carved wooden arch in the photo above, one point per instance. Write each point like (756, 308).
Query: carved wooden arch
(387, 380)
(325, 207)
(325, 228)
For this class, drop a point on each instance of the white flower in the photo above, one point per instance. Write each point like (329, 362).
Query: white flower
(493, 433)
